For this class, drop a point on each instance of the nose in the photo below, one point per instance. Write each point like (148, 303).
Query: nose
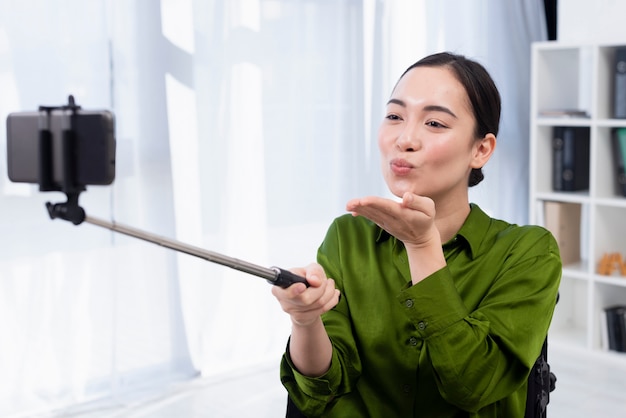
(409, 139)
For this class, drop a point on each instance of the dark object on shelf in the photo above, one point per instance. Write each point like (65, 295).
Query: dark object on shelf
(616, 327)
(618, 141)
(570, 153)
(619, 83)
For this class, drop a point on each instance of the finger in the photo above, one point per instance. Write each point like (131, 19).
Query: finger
(363, 202)
(315, 275)
(324, 303)
(380, 217)
(296, 289)
(373, 206)
(420, 203)
(334, 301)
(352, 205)
(290, 293)
(331, 296)
(407, 199)
(285, 294)
(316, 297)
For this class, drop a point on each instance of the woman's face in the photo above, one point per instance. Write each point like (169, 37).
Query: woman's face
(426, 139)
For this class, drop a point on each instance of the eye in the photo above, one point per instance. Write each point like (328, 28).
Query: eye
(393, 116)
(435, 124)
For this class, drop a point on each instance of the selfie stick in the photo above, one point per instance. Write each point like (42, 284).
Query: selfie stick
(72, 212)
(274, 275)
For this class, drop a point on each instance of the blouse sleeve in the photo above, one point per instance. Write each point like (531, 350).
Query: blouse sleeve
(312, 395)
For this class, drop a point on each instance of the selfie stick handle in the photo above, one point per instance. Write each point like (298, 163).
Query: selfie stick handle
(274, 275)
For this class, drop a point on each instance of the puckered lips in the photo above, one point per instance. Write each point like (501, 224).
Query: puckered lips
(401, 167)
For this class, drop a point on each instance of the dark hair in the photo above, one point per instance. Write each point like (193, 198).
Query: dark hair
(481, 90)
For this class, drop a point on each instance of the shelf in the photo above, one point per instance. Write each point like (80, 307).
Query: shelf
(573, 336)
(572, 197)
(578, 121)
(564, 121)
(611, 202)
(610, 280)
(580, 77)
(578, 270)
(611, 123)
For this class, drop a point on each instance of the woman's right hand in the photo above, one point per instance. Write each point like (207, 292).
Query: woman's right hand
(305, 304)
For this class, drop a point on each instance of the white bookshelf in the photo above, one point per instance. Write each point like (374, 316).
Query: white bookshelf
(580, 76)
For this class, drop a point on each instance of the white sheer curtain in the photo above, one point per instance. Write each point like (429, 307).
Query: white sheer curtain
(278, 90)
(243, 127)
(84, 314)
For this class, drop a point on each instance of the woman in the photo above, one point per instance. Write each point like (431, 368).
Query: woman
(424, 306)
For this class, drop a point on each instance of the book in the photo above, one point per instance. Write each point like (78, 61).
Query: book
(619, 83)
(616, 327)
(604, 332)
(562, 219)
(563, 113)
(618, 142)
(570, 157)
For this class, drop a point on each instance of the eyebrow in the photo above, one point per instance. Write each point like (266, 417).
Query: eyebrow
(429, 108)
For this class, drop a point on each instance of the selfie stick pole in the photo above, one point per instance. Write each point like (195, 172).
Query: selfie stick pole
(273, 275)
(72, 212)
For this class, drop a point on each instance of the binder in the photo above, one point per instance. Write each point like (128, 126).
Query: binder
(616, 327)
(570, 157)
(618, 142)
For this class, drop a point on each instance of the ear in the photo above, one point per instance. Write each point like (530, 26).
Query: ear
(483, 149)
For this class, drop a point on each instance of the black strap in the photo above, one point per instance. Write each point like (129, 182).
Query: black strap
(541, 382)
(292, 411)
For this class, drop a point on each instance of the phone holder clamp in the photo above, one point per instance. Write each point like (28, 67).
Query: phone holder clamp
(70, 210)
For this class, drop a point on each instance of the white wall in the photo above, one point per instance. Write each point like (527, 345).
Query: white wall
(595, 22)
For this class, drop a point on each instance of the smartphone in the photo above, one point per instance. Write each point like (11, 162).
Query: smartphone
(94, 145)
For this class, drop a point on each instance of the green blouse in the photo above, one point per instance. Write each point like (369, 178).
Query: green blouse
(460, 343)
